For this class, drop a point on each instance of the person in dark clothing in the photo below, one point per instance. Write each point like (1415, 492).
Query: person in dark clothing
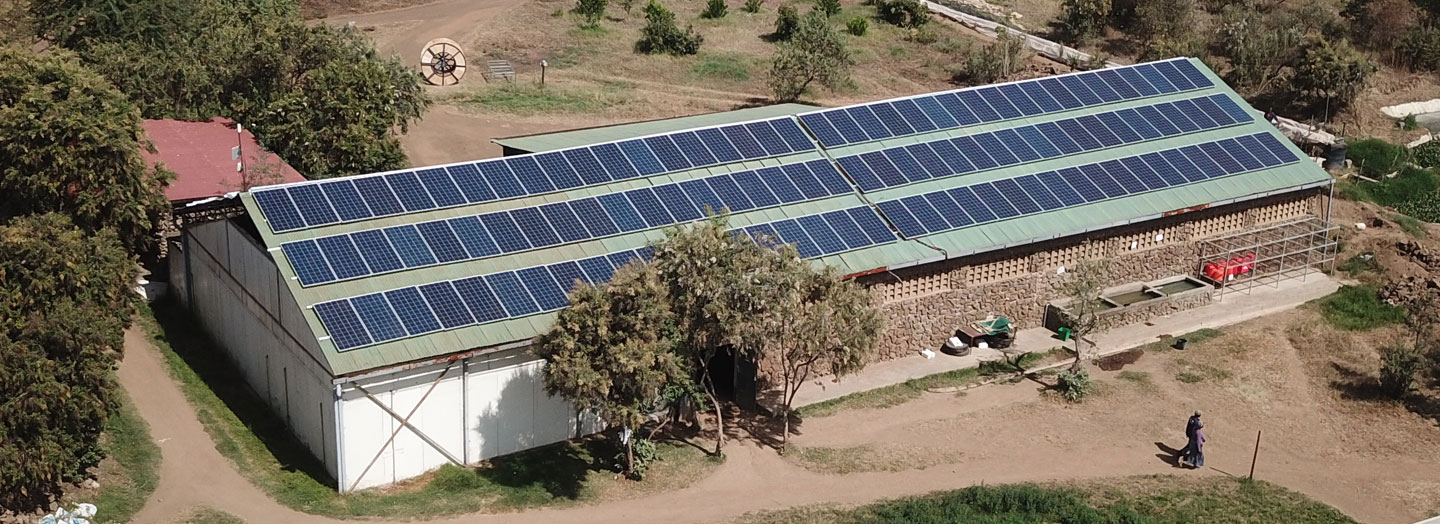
(1192, 426)
(1197, 451)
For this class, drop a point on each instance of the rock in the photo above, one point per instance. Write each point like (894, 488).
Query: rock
(91, 484)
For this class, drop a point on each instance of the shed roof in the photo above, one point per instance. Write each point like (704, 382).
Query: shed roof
(538, 143)
(200, 155)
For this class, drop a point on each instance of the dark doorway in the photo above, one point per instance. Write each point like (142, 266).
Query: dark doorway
(734, 378)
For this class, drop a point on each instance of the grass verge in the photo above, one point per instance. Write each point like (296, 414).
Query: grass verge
(903, 392)
(128, 476)
(1133, 500)
(209, 516)
(1358, 308)
(858, 459)
(528, 99)
(1167, 343)
(262, 449)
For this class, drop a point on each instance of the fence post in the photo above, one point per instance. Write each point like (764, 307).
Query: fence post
(1257, 454)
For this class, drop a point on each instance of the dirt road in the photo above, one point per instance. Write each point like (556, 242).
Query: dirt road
(404, 31)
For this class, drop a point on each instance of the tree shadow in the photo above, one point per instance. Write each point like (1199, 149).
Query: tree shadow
(559, 469)
(1363, 387)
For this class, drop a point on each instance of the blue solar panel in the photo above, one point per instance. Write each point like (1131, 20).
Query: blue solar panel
(1164, 169)
(534, 227)
(309, 264)
(1174, 76)
(408, 244)
(829, 177)
(1017, 145)
(730, 194)
(598, 269)
(931, 162)
(568, 275)
(614, 161)
(924, 213)
(467, 177)
(704, 198)
(860, 173)
(743, 141)
(913, 115)
(957, 109)
(279, 210)
(936, 112)
(1247, 160)
(978, 106)
(377, 194)
(1077, 132)
(1137, 81)
(1152, 116)
(1174, 115)
(1103, 180)
(443, 242)
(1156, 78)
(377, 251)
(884, 169)
(346, 200)
(847, 229)
(957, 162)
(411, 193)
(972, 205)
(441, 187)
(908, 166)
(974, 153)
(543, 287)
(1122, 175)
(1037, 93)
(1058, 138)
(649, 207)
(1098, 85)
(871, 224)
(820, 232)
(558, 170)
(755, 189)
(645, 253)
(901, 217)
(946, 206)
(566, 224)
(994, 200)
(998, 101)
(1077, 88)
(1083, 186)
(790, 132)
(694, 151)
(1141, 170)
(414, 313)
(720, 146)
(1218, 154)
(587, 166)
(1203, 161)
(1062, 94)
(343, 256)
(313, 205)
(506, 234)
(512, 294)
(1257, 149)
(1192, 73)
(769, 140)
(791, 233)
(622, 259)
(502, 180)
(1191, 111)
(1037, 191)
(1187, 168)
(1285, 154)
(846, 126)
(479, 299)
(1117, 83)
(592, 214)
(1021, 100)
(343, 325)
(1231, 108)
(1016, 196)
(624, 213)
(1119, 127)
(1213, 110)
(669, 155)
(867, 121)
(378, 317)
(473, 236)
(1138, 124)
(991, 144)
(1098, 130)
(641, 157)
(678, 203)
(806, 182)
(1057, 186)
(446, 303)
(780, 184)
(892, 119)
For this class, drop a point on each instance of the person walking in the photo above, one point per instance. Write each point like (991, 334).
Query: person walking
(1197, 455)
(1191, 426)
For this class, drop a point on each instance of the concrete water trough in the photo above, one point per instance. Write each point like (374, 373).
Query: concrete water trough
(1138, 301)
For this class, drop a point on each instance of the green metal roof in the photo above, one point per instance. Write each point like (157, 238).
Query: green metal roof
(594, 135)
(975, 239)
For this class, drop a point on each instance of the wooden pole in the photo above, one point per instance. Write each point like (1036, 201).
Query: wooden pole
(1256, 456)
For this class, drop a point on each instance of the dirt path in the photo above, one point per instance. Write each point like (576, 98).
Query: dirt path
(405, 31)
(1001, 433)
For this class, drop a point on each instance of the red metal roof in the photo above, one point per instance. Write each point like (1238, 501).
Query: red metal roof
(200, 155)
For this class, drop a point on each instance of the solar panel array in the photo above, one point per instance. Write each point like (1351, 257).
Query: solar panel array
(410, 311)
(923, 114)
(902, 165)
(975, 204)
(409, 246)
(359, 198)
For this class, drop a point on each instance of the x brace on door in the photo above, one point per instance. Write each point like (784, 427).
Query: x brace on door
(405, 423)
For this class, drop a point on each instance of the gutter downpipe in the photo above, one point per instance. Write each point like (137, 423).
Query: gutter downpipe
(339, 441)
(465, 410)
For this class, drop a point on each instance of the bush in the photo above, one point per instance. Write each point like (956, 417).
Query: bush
(715, 9)
(829, 7)
(752, 6)
(1329, 75)
(996, 61)
(857, 26)
(1413, 184)
(815, 54)
(1358, 308)
(590, 11)
(1419, 48)
(1376, 157)
(645, 454)
(903, 13)
(1074, 384)
(1427, 154)
(1398, 367)
(1084, 19)
(661, 35)
(786, 21)
(455, 479)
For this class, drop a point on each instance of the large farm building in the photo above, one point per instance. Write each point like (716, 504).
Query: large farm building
(386, 317)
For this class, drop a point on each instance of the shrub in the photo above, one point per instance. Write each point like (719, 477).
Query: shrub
(786, 21)
(752, 6)
(1427, 154)
(661, 35)
(996, 61)
(1358, 308)
(1375, 157)
(715, 9)
(1419, 48)
(1074, 384)
(455, 479)
(1329, 75)
(1084, 19)
(1361, 264)
(590, 11)
(857, 26)
(645, 454)
(1398, 367)
(829, 7)
(903, 13)
(1408, 123)
(814, 54)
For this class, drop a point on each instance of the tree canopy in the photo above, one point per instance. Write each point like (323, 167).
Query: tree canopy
(72, 146)
(814, 53)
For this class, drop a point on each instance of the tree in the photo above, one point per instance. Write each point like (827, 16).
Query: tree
(72, 145)
(1164, 19)
(1084, 19)
(1419, 48)
(1330, 75)
(787, 20)
(65, 300)
(996, 61)
(590, 11)
(1376, 22)
(611, 351)
(1260, 55)
(661, 35)
(829, 7)
(1083, 284)
(805, 320)
(909, 14)
(814, 54)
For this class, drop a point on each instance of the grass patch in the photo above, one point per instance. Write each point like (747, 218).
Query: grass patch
(128, 476)
(528, 99)
(566, 473)
(1134, 500)
(1195, 372)
(1167, 343)
(1139, 378)
(1361, 264)
(721, 67)
(1358, 308)
(1410, 225)
(901, 393)
(209, 516)
(865, 458)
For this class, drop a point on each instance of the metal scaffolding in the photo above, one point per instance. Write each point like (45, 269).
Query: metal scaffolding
(1269, 255)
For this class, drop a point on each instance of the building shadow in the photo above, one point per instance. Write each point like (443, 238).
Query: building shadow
(558, 469)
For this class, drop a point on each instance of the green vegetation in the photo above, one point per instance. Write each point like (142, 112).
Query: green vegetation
(1375, 157)
(857, 26)
(995, 61)
(1411, 225)
(814, 54)
(753, 6)
(1193, 372)
(1414, 192)
(530, 99)
(829, 7)
(1361, 264)
(1399, 369)
(787, 20)
(1136, 500)
(715, 9)
(590, 11)
(1358, 308)
(209, 516)
(130, 476)
(901, 393)
(859, 459)
(1427, 154)
(909, 14)
(729, 67)
(1074, 384)
(1141, 379)
(661, 36)
(1084, 19)
(1194, 337)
